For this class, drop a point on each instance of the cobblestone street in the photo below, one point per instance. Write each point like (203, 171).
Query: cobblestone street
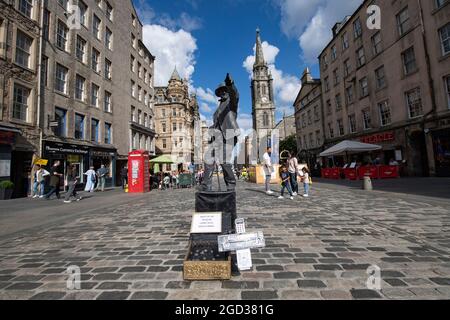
(317, 248)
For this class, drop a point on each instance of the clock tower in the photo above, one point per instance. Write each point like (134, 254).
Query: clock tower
(263, 106)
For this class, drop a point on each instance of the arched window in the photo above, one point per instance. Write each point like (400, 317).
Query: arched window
(265, 119)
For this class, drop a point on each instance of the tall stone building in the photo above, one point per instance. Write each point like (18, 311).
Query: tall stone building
(391, 86)
(96, 108)
(68, 93)
(19, 90)
(309, 119)
(286, 127)
(176, 112)
(263, 105)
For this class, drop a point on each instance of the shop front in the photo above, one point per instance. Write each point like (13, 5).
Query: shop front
(67, 154)
(106, 157)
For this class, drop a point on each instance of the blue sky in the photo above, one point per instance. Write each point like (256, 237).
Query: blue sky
(205, 39)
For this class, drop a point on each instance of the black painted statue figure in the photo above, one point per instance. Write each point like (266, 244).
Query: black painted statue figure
(224, 133)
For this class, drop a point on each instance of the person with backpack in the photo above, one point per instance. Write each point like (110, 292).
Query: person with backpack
(101, 173)
(91, 178)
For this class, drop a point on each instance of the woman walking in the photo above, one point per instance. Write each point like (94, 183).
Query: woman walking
(91, 178)
(72, 180)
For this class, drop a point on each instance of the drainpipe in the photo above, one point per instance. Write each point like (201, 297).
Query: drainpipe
(430, 78)
(39, 72)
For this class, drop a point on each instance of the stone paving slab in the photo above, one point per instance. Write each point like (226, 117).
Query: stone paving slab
(317, 248)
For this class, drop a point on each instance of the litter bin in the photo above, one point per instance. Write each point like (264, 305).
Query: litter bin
(367, 183)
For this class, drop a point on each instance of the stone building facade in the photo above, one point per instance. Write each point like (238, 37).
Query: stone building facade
(71, 95)
(176, 113)
(95, 107)
(19, 89)
(390, 86)
(286, 127)
(309, 119)
(263, 100)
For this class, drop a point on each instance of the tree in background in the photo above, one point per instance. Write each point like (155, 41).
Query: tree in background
(289, 144)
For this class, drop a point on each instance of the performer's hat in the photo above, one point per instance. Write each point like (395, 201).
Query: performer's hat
(220, 88)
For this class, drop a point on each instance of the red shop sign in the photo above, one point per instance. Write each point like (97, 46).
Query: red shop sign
(7, 137)
(380, 137)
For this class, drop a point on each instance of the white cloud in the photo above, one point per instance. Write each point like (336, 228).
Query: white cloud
(171, 48)
(286, 86)
(311, 21)
(245, 122)
(204, 107)
(206, 95)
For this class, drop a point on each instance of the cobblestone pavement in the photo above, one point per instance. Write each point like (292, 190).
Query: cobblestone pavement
(317, 248)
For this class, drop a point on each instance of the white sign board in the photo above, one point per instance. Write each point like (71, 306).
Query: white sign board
(207, 222)
(235, 242)
(244, 259)
(5, 168)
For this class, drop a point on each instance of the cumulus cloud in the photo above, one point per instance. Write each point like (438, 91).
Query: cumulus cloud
(206, 95)
(310, 21)
(286, 86)
(172, 49)
(204, 107)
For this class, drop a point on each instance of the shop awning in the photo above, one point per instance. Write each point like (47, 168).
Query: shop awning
(162, 159)
(348, 146)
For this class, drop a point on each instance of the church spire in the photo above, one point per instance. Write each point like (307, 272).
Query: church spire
(175, 75)
(259, 58)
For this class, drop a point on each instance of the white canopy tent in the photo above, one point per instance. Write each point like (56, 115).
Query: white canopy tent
(347, 147)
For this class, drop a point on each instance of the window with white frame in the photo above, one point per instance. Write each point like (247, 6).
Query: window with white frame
(81, 49)
(409, 61)
(352, 123)
(107, 102)
(380, 77)
(349, 94)
(62, 33)
(21, 102)
(414, 103)
(96, 24)
(444, 33)
(80, 84)
(345, 43)
(360, 57)
(341, 129)
(83, 12)
(331, 130)
(95, 64)
(108, 67)
(366, 119)
(385, 113)
(26, 7)
(109, 39)
(377, 44)
(364, 87)
(94, 95)
(109, 11)
(357, 28)
(61, 78)
(403, 22)
(23, 49)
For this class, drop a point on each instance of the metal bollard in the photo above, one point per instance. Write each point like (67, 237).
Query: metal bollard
(367, 184)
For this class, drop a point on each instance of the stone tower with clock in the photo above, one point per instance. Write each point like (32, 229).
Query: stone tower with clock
(263, 106)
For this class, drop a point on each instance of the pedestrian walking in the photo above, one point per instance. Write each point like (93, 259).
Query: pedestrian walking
(285, 183)
(306, 182)
(293, 169)
(72, 180)
(91, 178)
(268, 169)
(124, 176)
(39, 181)
(166, 182)
(55, 181)
(101, 173)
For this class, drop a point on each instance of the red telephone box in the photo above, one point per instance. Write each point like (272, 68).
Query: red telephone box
(138, 174)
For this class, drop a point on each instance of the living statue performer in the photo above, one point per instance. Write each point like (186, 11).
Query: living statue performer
(224, 133)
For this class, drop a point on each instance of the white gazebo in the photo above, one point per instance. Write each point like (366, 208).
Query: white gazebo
(348, 147)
